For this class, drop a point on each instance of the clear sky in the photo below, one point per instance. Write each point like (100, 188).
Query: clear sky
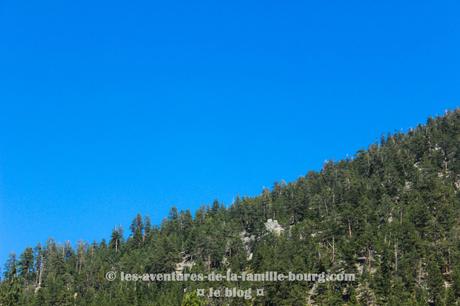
(110, 108)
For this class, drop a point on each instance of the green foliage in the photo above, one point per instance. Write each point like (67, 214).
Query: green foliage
(390, 214)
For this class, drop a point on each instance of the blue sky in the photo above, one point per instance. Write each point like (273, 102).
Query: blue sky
(111, 108)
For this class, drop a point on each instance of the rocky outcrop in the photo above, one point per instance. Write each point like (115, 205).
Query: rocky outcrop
(274, 227)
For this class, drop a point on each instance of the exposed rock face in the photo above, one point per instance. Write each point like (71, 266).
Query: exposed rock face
(274, 227)
(247, 243)
(457, 183)
(407, 185)
(185, 263)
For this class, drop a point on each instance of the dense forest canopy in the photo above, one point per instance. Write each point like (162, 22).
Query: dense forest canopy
(390, 215)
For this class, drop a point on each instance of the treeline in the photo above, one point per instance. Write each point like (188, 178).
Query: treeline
(390, 214)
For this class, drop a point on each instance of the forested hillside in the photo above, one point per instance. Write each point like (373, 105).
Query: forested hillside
(390, 214)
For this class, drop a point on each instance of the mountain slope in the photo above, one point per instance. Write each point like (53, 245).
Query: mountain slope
(390, 215)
